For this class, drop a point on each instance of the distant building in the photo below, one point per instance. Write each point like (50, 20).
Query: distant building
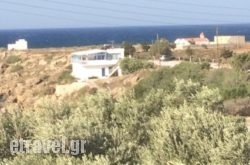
(181, 43)
(229, 40)
(96, 63)
(20, 44)
(185, 42)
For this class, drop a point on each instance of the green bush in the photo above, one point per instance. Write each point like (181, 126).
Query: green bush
(16, 68)
(129, 49)
(65, 77)
(161, 47)
(189, 51)
(242, 62)
(164, 78)
(238, 91)
(12, 59)
(205, 65)
(167, 127)
(49, 160)
(130, 65)
(190, 135)
(232, 84)
(13, 125)
(226, 53)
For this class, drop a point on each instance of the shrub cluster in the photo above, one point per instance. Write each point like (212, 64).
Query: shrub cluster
(231, 83)
(130, 65)
(16, 68)
(65, 77)
(177, 127)
(12, 59)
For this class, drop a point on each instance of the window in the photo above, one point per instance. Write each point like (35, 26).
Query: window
(115, 56)
(100, 57)
(84, 58)
(91, 57)
(109, 56)
(75, 58)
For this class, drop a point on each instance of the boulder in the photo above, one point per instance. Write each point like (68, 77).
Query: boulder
(34, 81)
(64, 90)
(3, 67)
(3, 97)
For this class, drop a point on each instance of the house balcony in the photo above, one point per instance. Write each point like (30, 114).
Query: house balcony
(96, 63)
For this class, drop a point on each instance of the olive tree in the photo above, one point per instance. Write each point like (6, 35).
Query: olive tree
(161, 47)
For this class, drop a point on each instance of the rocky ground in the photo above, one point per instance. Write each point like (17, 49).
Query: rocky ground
(27, 76)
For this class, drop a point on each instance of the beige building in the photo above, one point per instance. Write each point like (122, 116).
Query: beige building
(230, 40)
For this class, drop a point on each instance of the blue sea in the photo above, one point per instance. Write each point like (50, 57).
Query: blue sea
(44, 38)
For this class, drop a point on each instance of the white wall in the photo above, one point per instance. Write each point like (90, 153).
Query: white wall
(19, 45)
(93, 68)
(202, 43)
(84, 72)
(181, 43)
(117, 50)
(11, 46)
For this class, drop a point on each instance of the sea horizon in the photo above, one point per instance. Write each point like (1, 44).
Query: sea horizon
(128, 26)
(68, 37)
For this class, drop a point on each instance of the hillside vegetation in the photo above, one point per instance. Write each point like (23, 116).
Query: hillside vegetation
(182, 126)
(172, 116)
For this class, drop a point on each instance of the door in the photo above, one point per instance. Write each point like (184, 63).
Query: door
(103, 72)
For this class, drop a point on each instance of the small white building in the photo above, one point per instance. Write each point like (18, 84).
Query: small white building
(96, 63)
(182, 43)
(20, 44)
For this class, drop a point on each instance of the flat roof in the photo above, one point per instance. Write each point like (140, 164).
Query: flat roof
(87, 52)
(230, 36)
(93, 51)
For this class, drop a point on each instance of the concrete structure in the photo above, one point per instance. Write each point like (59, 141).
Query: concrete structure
(96, 63)
(230, 40)
(181, 43)
(20, 44)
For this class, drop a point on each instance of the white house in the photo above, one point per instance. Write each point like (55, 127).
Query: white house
(20, 44)
(185, 42)
(96, 63)
(181, 43)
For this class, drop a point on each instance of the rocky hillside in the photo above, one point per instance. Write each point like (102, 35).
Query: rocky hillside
(26, 76)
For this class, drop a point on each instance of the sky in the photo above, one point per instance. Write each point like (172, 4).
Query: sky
(38, 14)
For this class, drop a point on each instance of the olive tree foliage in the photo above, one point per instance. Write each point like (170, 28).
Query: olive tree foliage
(129, 48)
(49, 160)
(192, 136)
(164, 77)
(131, 65)
(161, 47)
(242, 62)
(226, 53)
(181, 126)
(190, 52)
(14, 125)
(145, 47)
